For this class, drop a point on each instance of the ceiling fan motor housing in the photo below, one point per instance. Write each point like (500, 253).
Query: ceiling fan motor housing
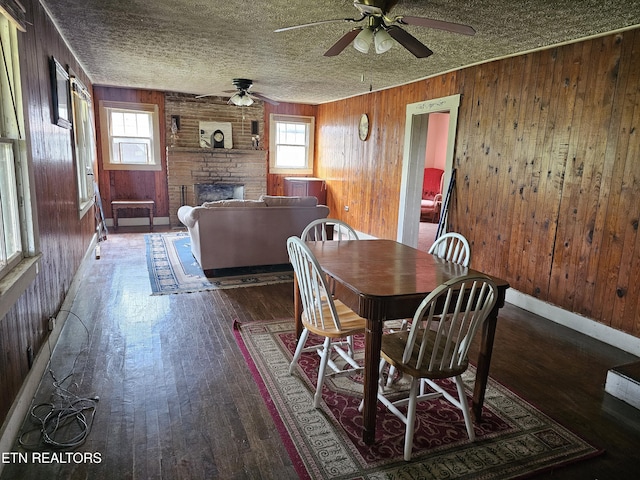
(242, 84)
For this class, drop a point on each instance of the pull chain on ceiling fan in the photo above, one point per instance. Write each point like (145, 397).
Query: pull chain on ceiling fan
(382, 30)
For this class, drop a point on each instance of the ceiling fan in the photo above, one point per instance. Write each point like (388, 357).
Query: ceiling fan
(242, 96)
(382, 29)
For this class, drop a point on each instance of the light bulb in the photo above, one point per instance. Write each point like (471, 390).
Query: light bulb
(363, 40)
(382, 41)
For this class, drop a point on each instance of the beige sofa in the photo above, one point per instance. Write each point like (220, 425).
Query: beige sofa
(244, 233)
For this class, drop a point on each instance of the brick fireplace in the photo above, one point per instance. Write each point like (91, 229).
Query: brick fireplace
(188, 164)
(188, 168)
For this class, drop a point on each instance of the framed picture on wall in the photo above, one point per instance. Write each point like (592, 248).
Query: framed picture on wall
(60, 95)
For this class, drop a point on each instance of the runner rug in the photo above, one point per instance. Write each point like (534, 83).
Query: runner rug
(513, 440)
(173, 269)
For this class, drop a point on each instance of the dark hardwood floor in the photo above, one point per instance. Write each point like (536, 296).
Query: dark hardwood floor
(177, 401)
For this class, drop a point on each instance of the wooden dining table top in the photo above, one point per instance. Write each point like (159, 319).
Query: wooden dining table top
(388, 276)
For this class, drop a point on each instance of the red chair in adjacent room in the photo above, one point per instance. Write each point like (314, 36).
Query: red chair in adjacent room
(431, 195)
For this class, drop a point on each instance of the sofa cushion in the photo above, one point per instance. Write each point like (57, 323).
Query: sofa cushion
(275, 201)
(235, 202)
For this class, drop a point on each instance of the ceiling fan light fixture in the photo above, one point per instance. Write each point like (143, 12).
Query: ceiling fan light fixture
(241, 99)
(363, 40)
(382, 41)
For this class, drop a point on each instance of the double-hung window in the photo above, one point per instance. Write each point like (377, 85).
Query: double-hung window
(291, 144)
(18, 257)
(130, 136)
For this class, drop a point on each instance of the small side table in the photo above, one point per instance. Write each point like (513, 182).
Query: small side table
(119, 204)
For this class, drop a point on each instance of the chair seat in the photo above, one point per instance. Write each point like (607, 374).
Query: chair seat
(393, 345)
(351, 322)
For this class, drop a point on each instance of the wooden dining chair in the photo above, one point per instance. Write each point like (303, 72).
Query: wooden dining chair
(453, 247)
(324, 229)
(433, 349)
(324, 316)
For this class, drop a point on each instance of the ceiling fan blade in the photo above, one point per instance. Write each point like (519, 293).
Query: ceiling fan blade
(437, 24)
(206, 95)
(344, 41)
(409, 42)
(263, 98)
(304, 25)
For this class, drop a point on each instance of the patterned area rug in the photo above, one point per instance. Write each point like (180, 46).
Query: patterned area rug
(172, 268)
(513, 440)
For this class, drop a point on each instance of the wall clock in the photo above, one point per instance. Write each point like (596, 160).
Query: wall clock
(363, 127)
(218, 139)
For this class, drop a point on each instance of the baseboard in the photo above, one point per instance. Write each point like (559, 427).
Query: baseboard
(18, 411)
(576, 322)
(137, 221)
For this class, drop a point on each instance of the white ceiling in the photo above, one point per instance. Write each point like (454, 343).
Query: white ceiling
(199, 46)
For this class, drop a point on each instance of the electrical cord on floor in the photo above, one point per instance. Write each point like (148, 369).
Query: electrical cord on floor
(66, 421)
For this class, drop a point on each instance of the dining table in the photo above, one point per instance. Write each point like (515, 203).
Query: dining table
(384, 280)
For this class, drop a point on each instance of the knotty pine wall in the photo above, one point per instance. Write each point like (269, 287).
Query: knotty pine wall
(64, 237)
(548, 167)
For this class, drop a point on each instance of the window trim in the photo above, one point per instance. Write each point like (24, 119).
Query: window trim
(309, 121)
(85, 154)
(105, 135)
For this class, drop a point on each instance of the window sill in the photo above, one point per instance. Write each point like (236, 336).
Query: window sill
(155, 167)
(14, 284)
(85, 207)
(290, 171)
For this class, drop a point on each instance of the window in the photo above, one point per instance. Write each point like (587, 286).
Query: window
(10, 238)
(85, 148)
(291, 144)
(18, 258)
(130, 136)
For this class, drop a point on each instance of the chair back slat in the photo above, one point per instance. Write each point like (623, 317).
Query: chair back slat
(452, 247)
(318, 307)
(446, 322)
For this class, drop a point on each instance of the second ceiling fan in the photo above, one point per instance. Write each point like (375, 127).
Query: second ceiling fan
(382, 29)
(243, 96)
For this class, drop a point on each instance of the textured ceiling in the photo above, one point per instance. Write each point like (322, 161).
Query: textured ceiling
(199, 46)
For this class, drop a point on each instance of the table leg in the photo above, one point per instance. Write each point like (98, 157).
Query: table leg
(373, 342)
(115, 218)
(151, 218)
(484, 360)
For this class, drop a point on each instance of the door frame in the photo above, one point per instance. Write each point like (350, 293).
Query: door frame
(413, 161)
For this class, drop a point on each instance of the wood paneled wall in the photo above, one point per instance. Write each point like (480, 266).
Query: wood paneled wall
(64, 237)
(132, 184)
(548, 168)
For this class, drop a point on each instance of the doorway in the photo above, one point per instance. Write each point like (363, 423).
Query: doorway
(413, 161)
